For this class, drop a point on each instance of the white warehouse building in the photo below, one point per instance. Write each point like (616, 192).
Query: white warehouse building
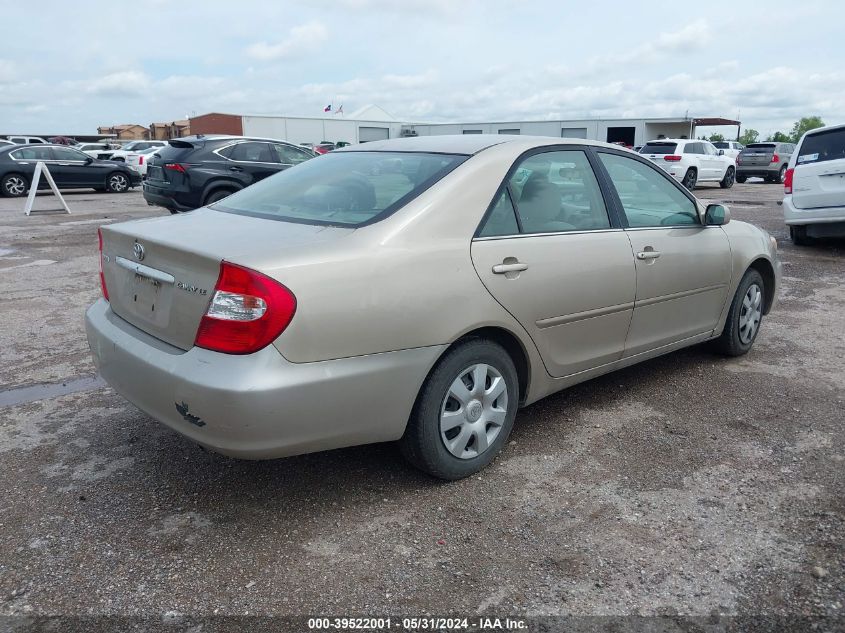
(372, 123)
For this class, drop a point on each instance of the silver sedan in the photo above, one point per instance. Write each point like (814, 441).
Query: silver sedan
(419, 290)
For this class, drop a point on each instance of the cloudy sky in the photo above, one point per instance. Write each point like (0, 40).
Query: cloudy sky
(77, 65)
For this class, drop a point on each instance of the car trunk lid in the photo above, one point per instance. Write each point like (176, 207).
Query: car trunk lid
(819, 177)
(757, 155)
(161, 272)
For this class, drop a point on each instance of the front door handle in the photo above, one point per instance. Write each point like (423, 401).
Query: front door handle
(501, 269)
(648, 254)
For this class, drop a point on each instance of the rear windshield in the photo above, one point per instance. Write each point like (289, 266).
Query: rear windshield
(659, 148)
(722, 144)
(342, 189)
(822, 146)
(759, 146)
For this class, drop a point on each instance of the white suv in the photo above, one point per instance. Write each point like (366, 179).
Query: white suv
(732, 148)
(814, 184)
(689, 161)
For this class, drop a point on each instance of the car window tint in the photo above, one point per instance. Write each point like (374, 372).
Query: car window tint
(33, 153)
(822, 146)
(343, 189)
(252, 152)
(66, 153)
(502, 219)
(291, 155)
(558, 191)
(659, 148)
(648, 198)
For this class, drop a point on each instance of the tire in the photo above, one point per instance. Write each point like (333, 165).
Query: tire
(117, 182)
(741, 179)
(745, 316)
(798, 235)
(781, 175)
(14, 185)
(690, 178)
(728, 181)
(217, 194)
(424, 443)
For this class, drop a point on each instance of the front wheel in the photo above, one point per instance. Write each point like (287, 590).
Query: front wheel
(744, 317)
(14, 185)
(117, 182)
(728, 181)
(690, 178)
(464, 412)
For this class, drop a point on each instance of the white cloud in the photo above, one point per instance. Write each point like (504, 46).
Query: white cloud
(128, 83)
(300, 40)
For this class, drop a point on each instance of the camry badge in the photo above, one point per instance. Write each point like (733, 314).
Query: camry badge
(139, 251)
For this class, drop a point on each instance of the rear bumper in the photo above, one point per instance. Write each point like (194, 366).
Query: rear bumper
(824, 215)
(258, 406)
(759, 172)
(162, 200)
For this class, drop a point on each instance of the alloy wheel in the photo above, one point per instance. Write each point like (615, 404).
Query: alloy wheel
(15, 186)
(118, 183)
(473, 411)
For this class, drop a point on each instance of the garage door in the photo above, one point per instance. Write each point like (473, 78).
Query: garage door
(373, 134)
(573, 132)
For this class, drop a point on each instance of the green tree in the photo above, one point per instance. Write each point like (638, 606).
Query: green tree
(780, 137)
(749, 136)
(716, 137)
(805, 124)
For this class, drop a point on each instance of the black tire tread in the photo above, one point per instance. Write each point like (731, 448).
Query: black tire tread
(728, 342)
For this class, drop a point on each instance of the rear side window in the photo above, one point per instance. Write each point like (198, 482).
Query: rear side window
(33, 153)
(659, 148)
(289, 155)
(502, 219)
(822, 146)
(722, 144)
(693, 148)
(251, 152)
(342, 189)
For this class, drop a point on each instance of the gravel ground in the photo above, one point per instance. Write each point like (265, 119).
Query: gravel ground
(690, 485)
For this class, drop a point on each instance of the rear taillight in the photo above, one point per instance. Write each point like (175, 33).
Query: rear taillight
(247, 312)
(787, 180)
(671, 158)
(102, 276)
(175, 167)
(775, 158)
(140, 160)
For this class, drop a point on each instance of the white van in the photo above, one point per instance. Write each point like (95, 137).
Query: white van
(814, 204)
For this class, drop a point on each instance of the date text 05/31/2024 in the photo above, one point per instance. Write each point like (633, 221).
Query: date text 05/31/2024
(418, 624)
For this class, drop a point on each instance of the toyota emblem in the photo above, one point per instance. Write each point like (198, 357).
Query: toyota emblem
(139, 251)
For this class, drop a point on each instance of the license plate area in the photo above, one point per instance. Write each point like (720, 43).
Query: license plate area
(147, 292)
(155, 173)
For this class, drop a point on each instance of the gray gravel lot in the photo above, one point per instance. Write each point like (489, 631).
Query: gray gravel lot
(691, 484)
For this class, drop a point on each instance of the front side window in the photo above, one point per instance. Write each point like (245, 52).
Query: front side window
(68, 154)
(558, 191)
(289, 155)
(344, 189)
(648, 198)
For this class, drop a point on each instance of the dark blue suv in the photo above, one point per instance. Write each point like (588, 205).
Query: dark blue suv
(195, 171)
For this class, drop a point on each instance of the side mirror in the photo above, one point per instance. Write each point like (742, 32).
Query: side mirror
(89, 160)
(721, 152)
(717, 215)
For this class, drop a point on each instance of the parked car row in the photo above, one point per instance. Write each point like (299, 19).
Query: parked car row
(70, 168)
(767, 160)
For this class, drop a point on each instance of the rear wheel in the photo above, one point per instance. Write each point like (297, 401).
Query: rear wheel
(14, 185)
(690, 178)
(741, 179)
(798, 235)
(117, 182)
(728, 181)
(217, 194)
(781, 175)
(744, 317)
(464, 412)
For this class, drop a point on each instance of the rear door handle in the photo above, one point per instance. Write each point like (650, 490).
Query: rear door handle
(501, 269)
(648, 254)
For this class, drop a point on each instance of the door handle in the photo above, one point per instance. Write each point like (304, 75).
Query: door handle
(648, 254)
(501, 269)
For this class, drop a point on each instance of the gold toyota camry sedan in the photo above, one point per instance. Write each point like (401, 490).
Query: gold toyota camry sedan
(419, 290)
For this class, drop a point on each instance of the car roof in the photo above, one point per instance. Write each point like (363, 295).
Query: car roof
(464, 143)
(225, 137)
(675, 140)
